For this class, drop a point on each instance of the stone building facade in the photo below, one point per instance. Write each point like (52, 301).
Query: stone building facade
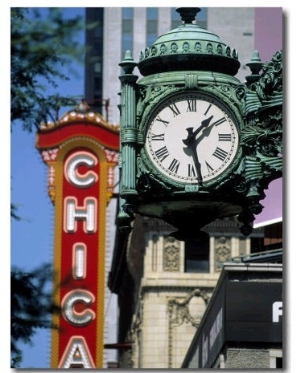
(164, 290)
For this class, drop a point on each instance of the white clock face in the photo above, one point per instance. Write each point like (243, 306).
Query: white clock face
(190, 139)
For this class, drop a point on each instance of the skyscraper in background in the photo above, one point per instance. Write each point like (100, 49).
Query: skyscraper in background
(121, 29)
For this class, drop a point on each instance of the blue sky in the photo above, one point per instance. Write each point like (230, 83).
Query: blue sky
(32, 237)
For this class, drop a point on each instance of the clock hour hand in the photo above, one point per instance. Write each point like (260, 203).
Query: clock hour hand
(191, 137)
(204, 124)
(206, 132)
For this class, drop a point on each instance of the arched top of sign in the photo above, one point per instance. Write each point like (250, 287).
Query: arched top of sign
(81, 112)
(80, 122)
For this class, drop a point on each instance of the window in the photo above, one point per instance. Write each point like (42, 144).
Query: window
(97, 67)
(197, 256)
(276, 359)
(152, 16)
(127, 30)
(257, 244)
(97, 48)
(278, 362)
(202, 18)
(97, 85)
(175, 19)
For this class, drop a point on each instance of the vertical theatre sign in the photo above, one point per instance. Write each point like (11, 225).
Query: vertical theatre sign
(81, 151)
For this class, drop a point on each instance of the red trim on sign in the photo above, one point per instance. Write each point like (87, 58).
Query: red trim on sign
(60, 134)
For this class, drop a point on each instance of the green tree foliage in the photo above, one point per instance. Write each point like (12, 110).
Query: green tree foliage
(13, 212)
(43, 47)
(31, 306)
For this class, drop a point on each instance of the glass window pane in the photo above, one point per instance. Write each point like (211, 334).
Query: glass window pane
(127, 30)
(152, 13)
(197, 256)
(127, 25)
(151, 39)
(97, 67)
(152, 27)
(127, 13)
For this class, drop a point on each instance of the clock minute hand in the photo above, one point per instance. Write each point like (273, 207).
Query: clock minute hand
(193, 147)
(191, 144)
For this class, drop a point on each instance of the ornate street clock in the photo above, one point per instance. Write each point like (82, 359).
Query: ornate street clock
(196, 144)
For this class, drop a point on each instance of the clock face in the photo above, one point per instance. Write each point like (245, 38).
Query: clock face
(191, 139)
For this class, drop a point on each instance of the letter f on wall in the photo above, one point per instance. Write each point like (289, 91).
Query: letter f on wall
(277, 311)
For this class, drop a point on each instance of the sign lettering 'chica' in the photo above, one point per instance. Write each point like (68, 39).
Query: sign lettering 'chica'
(79, 250)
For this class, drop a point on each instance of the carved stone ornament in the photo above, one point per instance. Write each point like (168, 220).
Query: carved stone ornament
(179, 310)
(171, 255)
(222, 251)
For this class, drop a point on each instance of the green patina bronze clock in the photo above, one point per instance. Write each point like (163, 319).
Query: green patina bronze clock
(191, 138)
(197, 144)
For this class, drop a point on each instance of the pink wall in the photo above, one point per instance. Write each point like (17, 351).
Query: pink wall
(268, 40)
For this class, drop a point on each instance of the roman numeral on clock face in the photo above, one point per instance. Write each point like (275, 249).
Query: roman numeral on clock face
(220, 153)
(209, 168)
(165, 122)
(224, 136)
(207, 110)
(174, 165)
(160, 137)
(174, 109)
(191, 170)
(192, 105)
(162, 153)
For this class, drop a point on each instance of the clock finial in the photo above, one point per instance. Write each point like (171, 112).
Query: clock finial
(187, 47)
(188, 15)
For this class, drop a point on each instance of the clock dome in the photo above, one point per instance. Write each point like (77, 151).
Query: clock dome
(188, 47)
